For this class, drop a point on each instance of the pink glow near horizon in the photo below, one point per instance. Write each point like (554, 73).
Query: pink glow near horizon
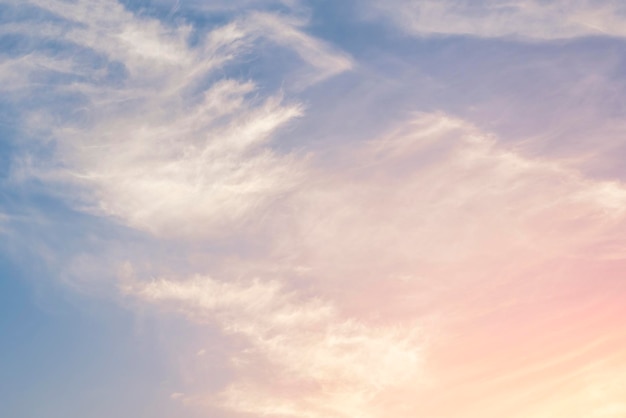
(433, 267)
(483, 284)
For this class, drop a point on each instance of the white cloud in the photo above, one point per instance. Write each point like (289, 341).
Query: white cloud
(152, 151)
(338, 366)
(438, 190)
(348, 257)
(420, 219)
(322, 57)
(534, 19)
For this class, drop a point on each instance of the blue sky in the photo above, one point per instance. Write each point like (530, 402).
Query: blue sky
(258, 208)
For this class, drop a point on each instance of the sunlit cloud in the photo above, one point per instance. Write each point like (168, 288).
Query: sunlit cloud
(422, 264)
(416, 247)
(304, 347)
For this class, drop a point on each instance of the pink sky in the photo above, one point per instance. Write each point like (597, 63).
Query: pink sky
(358, 210)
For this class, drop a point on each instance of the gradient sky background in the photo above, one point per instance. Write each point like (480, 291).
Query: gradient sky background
(312, 209)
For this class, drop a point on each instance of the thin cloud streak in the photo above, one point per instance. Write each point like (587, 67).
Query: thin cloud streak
(526, 19)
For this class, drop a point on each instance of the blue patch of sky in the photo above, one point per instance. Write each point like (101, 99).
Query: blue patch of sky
(8, 132)
(59, 361)
(23, 13)
(62, 353)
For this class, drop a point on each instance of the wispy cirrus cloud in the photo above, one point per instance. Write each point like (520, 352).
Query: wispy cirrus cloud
(464, 237)
(432, 269)
(181, 131)
(530, 19)
(319, 363)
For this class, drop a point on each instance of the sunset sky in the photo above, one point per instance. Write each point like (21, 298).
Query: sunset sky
(313, 209)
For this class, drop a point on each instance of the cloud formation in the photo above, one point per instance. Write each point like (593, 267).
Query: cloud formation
(166, 137)
(318, 363)
(433, 269)
(530, 19)
(419, 218)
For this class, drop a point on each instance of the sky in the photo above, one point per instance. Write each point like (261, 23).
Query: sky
(312, 209)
